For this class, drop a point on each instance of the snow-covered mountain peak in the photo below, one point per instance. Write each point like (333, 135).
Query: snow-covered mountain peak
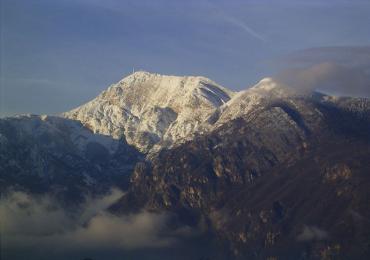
(265, 91)
(169, 82)
(147, 108)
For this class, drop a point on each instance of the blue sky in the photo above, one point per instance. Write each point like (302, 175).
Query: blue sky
(56, 55)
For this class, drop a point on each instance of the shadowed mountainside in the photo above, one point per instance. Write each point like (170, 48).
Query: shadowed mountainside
(45, 154)
(289, 180)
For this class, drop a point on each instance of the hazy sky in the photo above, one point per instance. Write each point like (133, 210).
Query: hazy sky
(56, 55)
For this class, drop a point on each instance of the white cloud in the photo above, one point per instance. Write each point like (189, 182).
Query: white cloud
(232, 20)
(335, 70)
(241, 25)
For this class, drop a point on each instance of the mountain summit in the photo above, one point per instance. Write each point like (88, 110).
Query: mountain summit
(148, 109)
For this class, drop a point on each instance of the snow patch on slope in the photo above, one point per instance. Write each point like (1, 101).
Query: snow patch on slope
(56, 128)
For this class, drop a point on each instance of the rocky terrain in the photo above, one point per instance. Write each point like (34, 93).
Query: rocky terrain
(282, 184)
(270, 172)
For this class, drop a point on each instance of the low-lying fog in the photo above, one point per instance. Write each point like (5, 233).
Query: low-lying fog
(37, 227)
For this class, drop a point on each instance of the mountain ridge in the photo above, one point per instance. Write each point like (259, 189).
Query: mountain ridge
(154, 111)
(270, 172)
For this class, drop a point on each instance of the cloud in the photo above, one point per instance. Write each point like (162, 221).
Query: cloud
(238, 23)
(32, 222)
(141, 230)
(104, 231)
(336, 70)
(21, 214)
(351, 56)
(328, 77)
(312, 233)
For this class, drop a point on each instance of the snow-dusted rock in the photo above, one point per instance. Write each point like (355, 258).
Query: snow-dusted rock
(54, 130)
(61, 156)
(149, 109)
(246, 101)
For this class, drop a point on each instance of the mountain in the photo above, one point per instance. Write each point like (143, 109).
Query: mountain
(270, 172)
(281, 175)
(151, 109)
(47, 154)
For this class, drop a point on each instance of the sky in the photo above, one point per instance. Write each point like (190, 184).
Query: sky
(56, 55)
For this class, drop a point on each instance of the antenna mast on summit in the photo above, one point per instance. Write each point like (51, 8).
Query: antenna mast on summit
(133, 70)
